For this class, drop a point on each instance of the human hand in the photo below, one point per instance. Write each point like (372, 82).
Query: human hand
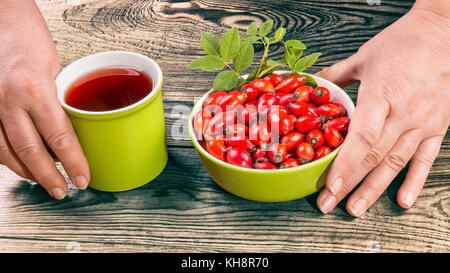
(402, 110)
(29, 107)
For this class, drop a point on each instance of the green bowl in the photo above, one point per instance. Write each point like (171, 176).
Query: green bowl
(271, 185)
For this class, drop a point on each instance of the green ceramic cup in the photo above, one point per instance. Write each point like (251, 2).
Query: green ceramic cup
(125, 148)
(271, 185)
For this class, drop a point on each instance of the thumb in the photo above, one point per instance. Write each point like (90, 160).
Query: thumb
(343, 73)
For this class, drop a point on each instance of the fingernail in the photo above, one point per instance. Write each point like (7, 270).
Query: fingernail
(408, 198)
(336, 185)
(81, 182)
(327, 204)
(57, 193)
(358, 207)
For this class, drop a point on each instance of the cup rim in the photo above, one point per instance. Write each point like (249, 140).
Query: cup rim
(112, 54)
(199, 148)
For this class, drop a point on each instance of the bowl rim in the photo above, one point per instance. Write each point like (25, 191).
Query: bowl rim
(313, 164)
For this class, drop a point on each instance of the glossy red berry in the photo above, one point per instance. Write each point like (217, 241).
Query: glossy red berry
(200, 122)
(277, 152)
(250, 90)
(291, 154)
(264, 164)
(315, 138)
(322, 152)
(216, 147)
(305, 153)
(290, 163)
(333, 137)
(241, 96)
(259, 153)
(246, 114)
(217, 124)
(229, 102)
(302, 94)
(300, 108)
(214, 98)
(265, 101)
(341, 124)
(306, 123)
(320, 95)
(328, 110)
(275, 79)
(242, 142)
(259, 133)
(263, 86)
(237, 129)
(290, 84)
(285, 99)
(342, 111)
(238, 157)
(293, 118)
(292, 140)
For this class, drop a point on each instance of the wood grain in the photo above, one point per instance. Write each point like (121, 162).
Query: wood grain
(183, 209)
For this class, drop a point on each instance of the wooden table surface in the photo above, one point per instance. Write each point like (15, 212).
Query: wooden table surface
(183, 210)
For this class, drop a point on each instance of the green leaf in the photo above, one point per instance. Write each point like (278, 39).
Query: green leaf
(266, 40)
(266, 28)
(274, 63)
(225, 80)
(306, 62)
(252, 29)
(291, 55)
(241, 82)
(250, 38)
(210, 43)
(229, 45)
(279, 34)
(295, 44)
(266, 71)
(252, 74)
(310, 80)
(207, 63)
(244, 58)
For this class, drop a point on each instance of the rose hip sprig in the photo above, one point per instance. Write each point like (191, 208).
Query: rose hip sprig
(236, 54)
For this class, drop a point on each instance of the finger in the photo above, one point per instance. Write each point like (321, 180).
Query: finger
(28, 146)
(364, 132)
(419, 169)
(9, 158)
(55, 127)
(380, 178)
(343, 73)
(392, 130)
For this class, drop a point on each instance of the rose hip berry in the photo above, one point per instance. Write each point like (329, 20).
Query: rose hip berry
(238, 157)
(263, 164)
(333, 137)
(306, 123)
(305, 153)
(271, 123)
(322, 152)
(277, 152)
(290, 84)
(275, 79)
(320, 95)
(315, 138)
(290, 163)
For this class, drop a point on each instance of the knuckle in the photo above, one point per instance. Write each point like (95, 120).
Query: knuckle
(371, 192)
(372, 159)
(395, 162)
(367, 135)
(426, 160)
(60, 140)
(29, 152)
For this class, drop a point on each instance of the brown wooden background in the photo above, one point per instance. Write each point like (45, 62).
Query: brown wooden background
(183, 209)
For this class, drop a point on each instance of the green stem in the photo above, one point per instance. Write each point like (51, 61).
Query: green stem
(235, 72)
(266, 52)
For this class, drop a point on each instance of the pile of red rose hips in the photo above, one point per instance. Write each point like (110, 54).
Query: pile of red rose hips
(271, 123)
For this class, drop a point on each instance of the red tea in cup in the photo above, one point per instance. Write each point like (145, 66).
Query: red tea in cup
(109, 89)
